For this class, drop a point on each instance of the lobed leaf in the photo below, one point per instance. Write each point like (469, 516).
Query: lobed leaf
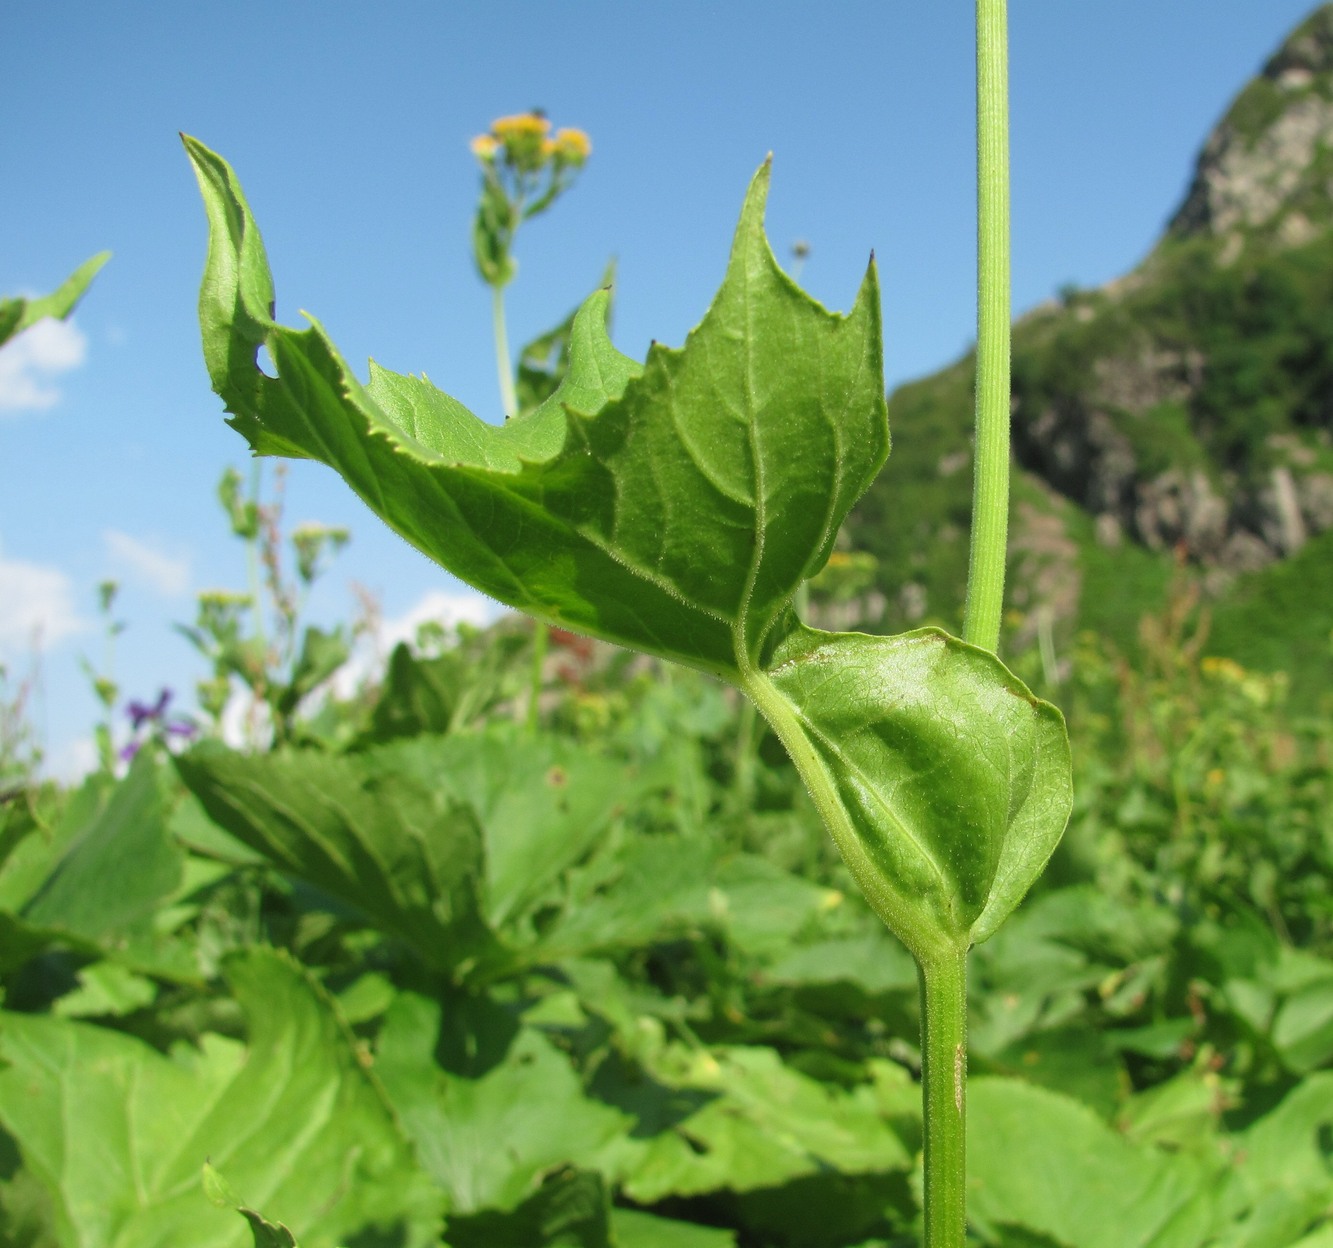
(676, 509)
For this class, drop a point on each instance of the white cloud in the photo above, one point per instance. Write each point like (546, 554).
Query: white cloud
(72, 761)
(29, 362)
(437, 606)
(440, 607)
(148, 564)
(36, 606)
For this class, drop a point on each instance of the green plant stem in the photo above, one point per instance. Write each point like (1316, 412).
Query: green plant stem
(943, 984)
(252, 563)
(504, 366)
(942, 977)
(990, 497)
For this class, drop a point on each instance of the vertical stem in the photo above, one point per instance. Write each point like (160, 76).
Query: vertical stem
(504, 366)
(943, 983)
(990, 497)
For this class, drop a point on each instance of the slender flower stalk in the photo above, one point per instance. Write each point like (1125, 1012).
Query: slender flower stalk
(990, 498)
(524, 170)
(503, 360)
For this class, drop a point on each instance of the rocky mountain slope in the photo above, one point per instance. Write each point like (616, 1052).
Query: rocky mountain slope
(1181, 416)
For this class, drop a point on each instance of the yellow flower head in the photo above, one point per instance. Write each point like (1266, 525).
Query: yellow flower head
(572, 146)
(523, 138)
(484, 147)
(520, 126)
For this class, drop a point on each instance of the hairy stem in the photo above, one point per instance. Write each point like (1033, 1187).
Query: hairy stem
(990, 497)
(504, 366)
(943, 983)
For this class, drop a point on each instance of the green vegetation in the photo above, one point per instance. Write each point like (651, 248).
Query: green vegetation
(532, 941)
(563, 986)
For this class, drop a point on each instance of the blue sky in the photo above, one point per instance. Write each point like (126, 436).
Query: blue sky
(348, 126)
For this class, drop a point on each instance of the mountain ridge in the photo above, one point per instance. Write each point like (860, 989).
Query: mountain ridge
(1179, 416)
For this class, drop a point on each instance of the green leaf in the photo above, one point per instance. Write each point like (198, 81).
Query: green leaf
(1287, 1174)
(119, 868)
(291, 1117)
(674, 510)
(570, 1209)
(106, 989)
(636, 1229)
(488, 1140)
(400, 850)
(677, 509)
(16, 315)
(956, 780)
(321, 655)
(1303, 1027)
(266, 1234)
(1044, 1162)
(542, 804)
(739, 1119)
(543, 363)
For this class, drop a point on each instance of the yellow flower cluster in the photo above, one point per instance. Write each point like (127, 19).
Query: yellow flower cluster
(1261, 688)
(523, 142)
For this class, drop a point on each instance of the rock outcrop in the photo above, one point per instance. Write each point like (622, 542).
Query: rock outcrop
(1269, 164)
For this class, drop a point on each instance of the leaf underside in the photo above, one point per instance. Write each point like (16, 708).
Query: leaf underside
(675, 508)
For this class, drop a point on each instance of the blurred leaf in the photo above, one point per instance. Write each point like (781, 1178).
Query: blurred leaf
(1044, 1162)
(106, 989)
(654, 888)
(1184, 1113)
(321, 655)
(569, 1210)
(1286, 1170)
(398, 849)
(740, 1119)
(488, 1141)
(542, 803)
(1303, 1027)
(446, 692)
(291, 1117)
(875, 963)
(266, 1234)
(634, 1228)
(1075, 1059)
(117, 870)
(16, 315)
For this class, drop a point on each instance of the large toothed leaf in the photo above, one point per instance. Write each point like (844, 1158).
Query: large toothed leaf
(675, 509)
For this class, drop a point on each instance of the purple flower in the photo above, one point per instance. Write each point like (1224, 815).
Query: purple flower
(141, 714)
